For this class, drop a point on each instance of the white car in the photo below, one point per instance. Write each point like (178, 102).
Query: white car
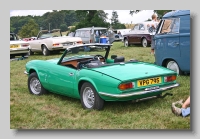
(18, 47)
(52, 41)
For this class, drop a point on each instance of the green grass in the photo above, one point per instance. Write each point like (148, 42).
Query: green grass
(54, 111)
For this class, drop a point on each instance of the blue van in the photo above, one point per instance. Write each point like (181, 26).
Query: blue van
(172, 41)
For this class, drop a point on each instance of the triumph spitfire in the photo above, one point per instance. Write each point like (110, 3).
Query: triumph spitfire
(95, 79)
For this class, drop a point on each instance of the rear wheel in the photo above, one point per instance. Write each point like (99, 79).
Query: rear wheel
(126, 43)
(173, 66)
(34, 85)
(90, 99)
(144, 42)
(30, 52)
(45, 51)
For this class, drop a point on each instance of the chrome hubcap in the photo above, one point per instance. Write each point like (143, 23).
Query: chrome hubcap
(35, 86)
(126, 43)
(144, 42)
(88, 97)
(44, 51)
(173, 66)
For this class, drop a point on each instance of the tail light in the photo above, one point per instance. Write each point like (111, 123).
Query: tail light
(125, 86)
(56, 44)
(90, 41)
(79, 42)
(25, 45)
(169, 78)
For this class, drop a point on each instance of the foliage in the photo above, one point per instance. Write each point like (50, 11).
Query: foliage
(114, 18)
(63, 27)
(49, 19)
(30, 29)
(89, 18)
(161, 12)
(115, 22)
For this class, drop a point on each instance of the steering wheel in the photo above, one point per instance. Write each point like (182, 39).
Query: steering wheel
(97, 57)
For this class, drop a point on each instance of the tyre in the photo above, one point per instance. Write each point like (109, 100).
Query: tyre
(90, 99)
(45, 51)
(34, 85)
(126, 43)
(173, 66)
(30, 52)
(144, 42)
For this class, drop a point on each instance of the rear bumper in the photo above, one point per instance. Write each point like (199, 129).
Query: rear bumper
(18, 51)
(139, 92)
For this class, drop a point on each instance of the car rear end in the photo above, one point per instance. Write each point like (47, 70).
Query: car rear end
(19, 48)
(136, 81)
(61, 43)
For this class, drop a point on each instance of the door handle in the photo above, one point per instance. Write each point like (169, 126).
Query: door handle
(176, 43)
(71, 74)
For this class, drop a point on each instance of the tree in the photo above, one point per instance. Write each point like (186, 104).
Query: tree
(63, 27)
(30, 29)
(89, 18)
(114, 18)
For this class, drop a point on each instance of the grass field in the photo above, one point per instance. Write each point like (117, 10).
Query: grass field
(54, 111)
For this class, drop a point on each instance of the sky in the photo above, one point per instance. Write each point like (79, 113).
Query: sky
(123, 15)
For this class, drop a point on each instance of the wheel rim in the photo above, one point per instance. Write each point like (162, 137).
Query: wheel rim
(88, 97)
(144, 43)
(126, 43)
(35, 85)
(29, 52)
(44, 51)
(173, 66)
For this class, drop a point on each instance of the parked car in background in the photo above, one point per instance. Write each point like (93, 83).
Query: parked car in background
(138, 35)
(52, 41)
(96, 78)
(172, 41)
(90, 35)
(17, 46)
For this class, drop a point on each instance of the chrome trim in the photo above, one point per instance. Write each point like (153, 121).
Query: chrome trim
(139, 92)
(25, 72)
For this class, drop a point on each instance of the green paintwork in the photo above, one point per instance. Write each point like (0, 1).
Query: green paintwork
(56, 78)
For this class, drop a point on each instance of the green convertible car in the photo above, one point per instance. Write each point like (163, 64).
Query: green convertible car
(95, 78)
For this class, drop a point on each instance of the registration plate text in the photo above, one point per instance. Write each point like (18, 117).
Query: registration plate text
(149, 81)
(14, 46)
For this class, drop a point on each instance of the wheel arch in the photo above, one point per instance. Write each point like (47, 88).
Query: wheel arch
(82, 81)
(42, 45)
(165, 61)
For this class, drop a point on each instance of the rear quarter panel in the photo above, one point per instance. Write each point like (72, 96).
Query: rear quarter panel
(101, 82)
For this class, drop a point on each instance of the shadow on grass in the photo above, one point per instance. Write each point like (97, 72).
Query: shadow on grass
(113, 106)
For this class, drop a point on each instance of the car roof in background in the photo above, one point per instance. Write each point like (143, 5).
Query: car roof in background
(177, 13)
(89, 28)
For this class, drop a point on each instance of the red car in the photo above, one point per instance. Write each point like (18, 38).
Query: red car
(138, 35)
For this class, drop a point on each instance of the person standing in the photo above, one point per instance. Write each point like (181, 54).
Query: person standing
(153, 25)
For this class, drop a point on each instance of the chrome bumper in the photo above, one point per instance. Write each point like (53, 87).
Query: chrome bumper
(139, 92)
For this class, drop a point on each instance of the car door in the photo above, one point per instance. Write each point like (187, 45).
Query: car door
(62, 79)
(35, 45)
(140, 33)
(133, 34)
(167, 40)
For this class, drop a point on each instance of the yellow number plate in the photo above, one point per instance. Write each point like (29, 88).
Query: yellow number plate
(149, 81)
(14, 46)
